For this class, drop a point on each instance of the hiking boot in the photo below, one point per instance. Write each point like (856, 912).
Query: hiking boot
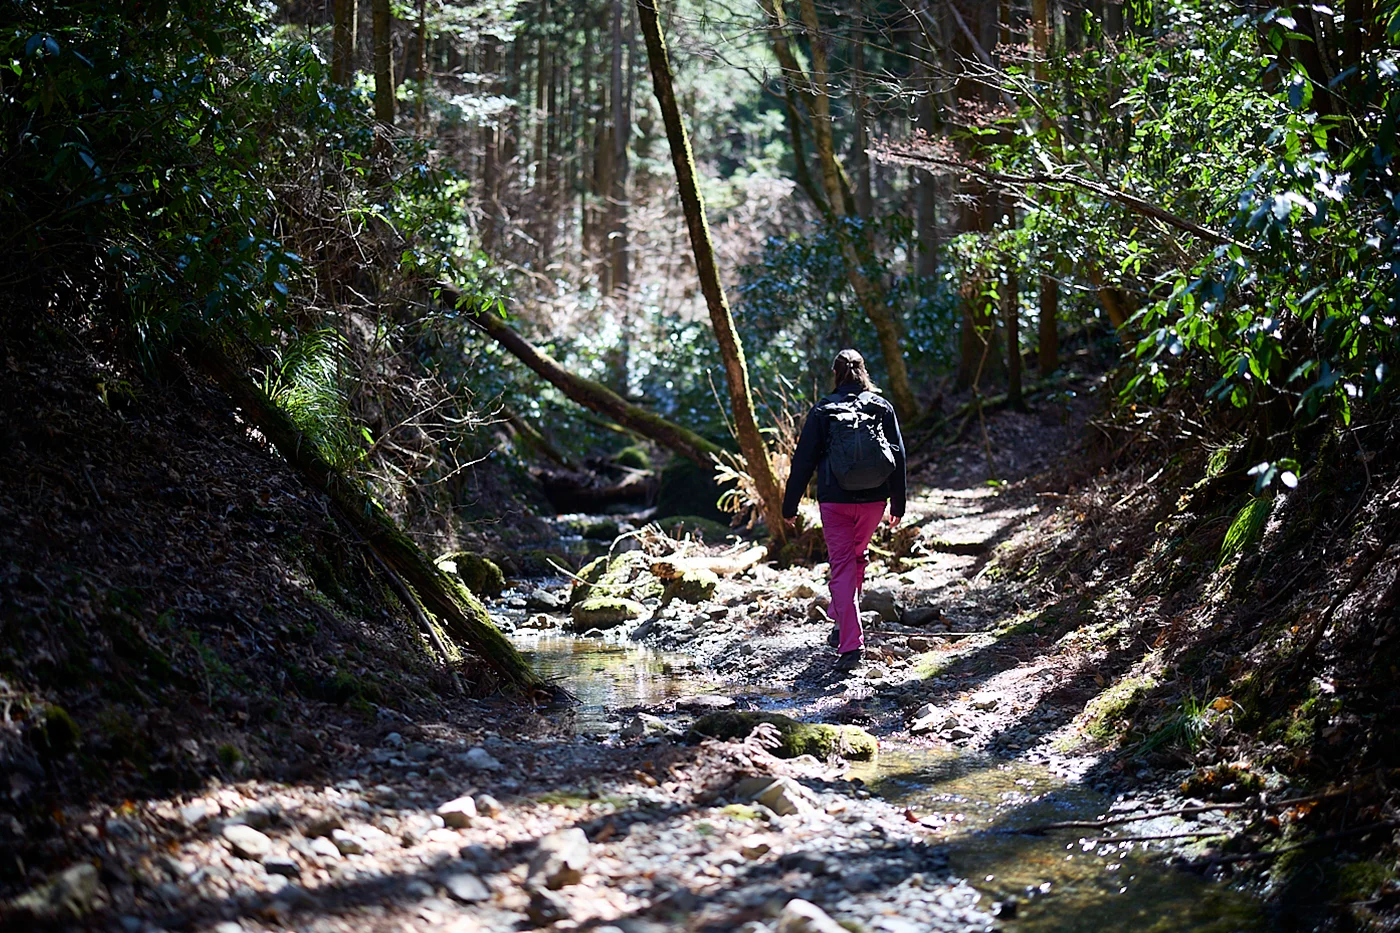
(834, 639)
(849, 660)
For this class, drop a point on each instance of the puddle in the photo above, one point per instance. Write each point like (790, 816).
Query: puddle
(1059, 884)
(605, 677)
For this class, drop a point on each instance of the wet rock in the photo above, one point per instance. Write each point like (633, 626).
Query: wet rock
(480, 759)
(247, 842)
(882, 600)
(934, 720)
(458, 813)
(73, 894)
(466, 887)
(605, 612)
(1005, 910)
(488, 806)
(795, 738)
(799, 916)
(783, 796)
(704, 703)
(560, 859)
(543, 601)
(647, 724)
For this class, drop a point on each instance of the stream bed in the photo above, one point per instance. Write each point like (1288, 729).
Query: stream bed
(1059, 881)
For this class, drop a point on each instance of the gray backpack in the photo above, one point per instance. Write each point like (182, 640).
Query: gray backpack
(857, 451)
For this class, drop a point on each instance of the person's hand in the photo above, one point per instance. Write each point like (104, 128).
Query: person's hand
(894, 520)
(791, 522)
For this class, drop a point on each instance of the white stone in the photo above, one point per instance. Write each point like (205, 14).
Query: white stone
(560, 859)
(799, 916)
(347, 842)
(247, 842)
(458, 813)
(323, 847)
(488, 806)
(984, 700)
(466, 887)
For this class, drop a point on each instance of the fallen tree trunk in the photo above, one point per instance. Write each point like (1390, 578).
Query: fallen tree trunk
(590, 394)
(723, 565)
(579, 491)
(457, 610)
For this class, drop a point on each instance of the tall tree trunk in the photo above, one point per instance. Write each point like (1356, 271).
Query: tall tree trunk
(1011, 321)
(799, 152)
(621, 133)
(343, 38)
(815, 89)
(383, 63)
(457, 610)
(1048, 355)
(490, 172)
(420, 67)
(859, 104)
(1049, 336)
(736, 372)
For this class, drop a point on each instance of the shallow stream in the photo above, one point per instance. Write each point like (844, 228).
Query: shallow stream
(1059, 881)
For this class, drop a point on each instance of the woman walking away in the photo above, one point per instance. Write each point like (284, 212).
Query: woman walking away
(851, 440)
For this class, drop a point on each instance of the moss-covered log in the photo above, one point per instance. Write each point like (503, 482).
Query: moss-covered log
(457, 610)
(590, 394)
(795, 738)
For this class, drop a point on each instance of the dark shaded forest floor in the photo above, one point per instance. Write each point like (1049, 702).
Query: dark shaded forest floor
(219, 717)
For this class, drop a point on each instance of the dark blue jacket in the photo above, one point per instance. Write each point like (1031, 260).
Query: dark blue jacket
(810, 457)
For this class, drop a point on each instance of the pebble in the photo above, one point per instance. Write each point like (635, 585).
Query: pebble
(348, 843)
(193, 814)
(282, 866)
(480, 759)
(467, 888)
(247, 842)
(458, 813)
(783, 796)
(325, 848)
(560, 859)
(800, 916)
(488, 806)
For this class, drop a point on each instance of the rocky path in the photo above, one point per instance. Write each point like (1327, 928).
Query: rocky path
(601, 817)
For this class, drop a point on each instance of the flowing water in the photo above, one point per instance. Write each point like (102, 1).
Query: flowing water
(1059, 881)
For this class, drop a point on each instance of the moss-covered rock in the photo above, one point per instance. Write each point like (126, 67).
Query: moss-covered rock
(678, 526)
(1106, 714)
(693, 586)
(479, 574)
(625, 576)
(593, 529)
(797, 738)
(55, 731)
(605, 612)
(634, 457)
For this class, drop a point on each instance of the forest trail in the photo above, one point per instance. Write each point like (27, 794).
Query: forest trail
(597, 816)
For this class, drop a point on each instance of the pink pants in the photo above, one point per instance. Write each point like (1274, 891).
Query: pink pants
(848, 527)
